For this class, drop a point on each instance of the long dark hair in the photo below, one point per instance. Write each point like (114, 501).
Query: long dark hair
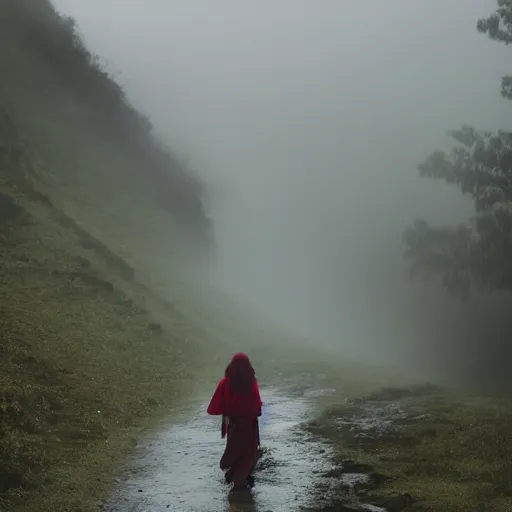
(241, 374)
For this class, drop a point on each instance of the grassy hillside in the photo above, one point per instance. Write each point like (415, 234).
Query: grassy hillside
(100, 333)
(91, 210)
(82, 363)
(95, 157)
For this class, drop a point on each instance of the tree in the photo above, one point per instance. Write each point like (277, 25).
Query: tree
(479, 253)
(498, 27)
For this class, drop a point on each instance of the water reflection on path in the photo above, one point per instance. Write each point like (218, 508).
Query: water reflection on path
(177, 469)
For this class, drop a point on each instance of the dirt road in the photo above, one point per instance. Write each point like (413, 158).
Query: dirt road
(177, 469)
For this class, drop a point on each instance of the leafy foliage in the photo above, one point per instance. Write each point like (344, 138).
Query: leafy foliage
(480, 165)
(498, 26)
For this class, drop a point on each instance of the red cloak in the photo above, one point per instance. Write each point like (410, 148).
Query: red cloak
(241, 404)
(226, 403)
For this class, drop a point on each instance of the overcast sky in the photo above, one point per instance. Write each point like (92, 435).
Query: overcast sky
(308, 119)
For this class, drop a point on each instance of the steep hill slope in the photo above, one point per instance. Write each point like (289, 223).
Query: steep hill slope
(95, 156)
(91, 209)
(101, 333)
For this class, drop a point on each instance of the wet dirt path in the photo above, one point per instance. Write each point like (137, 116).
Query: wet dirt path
(177, 469)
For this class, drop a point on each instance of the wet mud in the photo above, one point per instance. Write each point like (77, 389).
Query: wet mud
(177, 470)
(366, 423)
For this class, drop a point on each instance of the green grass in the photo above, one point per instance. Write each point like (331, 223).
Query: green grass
(101, 337)
(91, 356)
(83, 368)
(456, 458)
(85, 365)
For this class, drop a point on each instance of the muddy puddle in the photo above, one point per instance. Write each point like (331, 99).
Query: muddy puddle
(177, 469)
(364, 425)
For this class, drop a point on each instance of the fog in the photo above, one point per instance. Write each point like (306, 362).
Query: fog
(307, 121)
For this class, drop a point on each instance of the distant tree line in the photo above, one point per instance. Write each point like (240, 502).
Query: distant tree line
(478, 254)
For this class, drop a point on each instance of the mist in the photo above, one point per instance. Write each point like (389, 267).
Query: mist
(307, 121)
